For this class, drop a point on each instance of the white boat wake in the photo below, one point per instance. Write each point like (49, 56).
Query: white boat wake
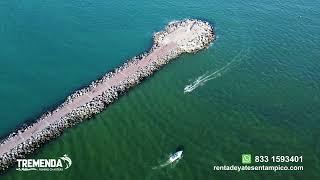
(172, 160)
(201, 80)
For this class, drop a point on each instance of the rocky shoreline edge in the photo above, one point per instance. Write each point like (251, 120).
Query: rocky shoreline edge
(100, 102)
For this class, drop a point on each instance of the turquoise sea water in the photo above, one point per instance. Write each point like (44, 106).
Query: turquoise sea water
(266, 103)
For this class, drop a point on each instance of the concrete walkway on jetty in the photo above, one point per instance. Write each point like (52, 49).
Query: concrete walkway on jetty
(83, 99)
(178, 37)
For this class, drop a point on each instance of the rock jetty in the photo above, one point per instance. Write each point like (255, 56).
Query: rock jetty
(186, 36)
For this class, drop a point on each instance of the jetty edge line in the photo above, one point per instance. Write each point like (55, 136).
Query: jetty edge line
(178, 37)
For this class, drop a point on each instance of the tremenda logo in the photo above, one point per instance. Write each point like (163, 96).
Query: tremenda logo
(58, 164)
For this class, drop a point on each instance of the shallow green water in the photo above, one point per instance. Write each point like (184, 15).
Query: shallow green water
(266, 102)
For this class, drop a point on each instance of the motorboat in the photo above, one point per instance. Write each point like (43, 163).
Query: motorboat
(176, 156)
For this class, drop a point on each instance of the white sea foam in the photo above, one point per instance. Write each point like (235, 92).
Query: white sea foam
(201, 80)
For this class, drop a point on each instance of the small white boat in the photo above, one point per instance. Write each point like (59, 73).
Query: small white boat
(187, 89)
(176, 156)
